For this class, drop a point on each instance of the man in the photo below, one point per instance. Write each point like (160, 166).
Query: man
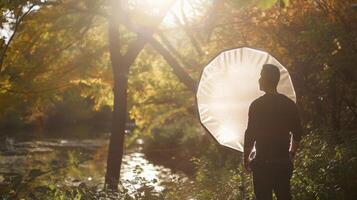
(275, 129)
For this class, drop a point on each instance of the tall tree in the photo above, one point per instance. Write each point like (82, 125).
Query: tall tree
(120, 67)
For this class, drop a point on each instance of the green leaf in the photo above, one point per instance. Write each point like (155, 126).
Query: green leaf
(265, 4)
(52, 187)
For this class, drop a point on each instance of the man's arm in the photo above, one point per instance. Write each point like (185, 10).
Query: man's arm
(249, 138)
(296, 130)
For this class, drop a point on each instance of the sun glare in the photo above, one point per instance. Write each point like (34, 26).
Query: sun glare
(179, 10)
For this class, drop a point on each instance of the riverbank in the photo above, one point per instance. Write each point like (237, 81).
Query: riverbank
(28, 164)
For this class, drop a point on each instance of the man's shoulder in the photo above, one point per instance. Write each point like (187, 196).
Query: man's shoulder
(257, 100)
(287, 101)
(279, 98)
(285, 98)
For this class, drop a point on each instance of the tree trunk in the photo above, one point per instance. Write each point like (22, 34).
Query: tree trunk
(120, 67)
(115, 153)
(120, 76)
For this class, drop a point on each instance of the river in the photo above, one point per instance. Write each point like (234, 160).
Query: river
(70, 161)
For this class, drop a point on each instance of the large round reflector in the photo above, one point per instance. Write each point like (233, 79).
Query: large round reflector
(228, 85)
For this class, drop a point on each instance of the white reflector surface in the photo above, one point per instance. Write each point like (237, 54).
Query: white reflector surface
(228, 85)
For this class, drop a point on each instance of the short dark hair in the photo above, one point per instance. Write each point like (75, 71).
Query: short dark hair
(271, 74)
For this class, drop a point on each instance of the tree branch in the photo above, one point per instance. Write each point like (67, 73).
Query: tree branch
(172, 49)
(189, 34)
(176, 67)
(147, 35)
(19, 20)
(144, 34)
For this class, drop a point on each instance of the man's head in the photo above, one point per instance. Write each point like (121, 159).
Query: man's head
(269, 78)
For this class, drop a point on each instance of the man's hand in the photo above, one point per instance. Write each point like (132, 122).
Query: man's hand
(247, 162)
(292, 155)
(248, 148)
(293, 148)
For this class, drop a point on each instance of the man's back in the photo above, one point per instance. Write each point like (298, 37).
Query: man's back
(271, 119)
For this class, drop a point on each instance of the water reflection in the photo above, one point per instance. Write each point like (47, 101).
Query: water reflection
(71, 162)
(137, 168)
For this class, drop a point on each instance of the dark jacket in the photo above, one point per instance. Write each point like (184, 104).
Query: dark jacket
(272, 117)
